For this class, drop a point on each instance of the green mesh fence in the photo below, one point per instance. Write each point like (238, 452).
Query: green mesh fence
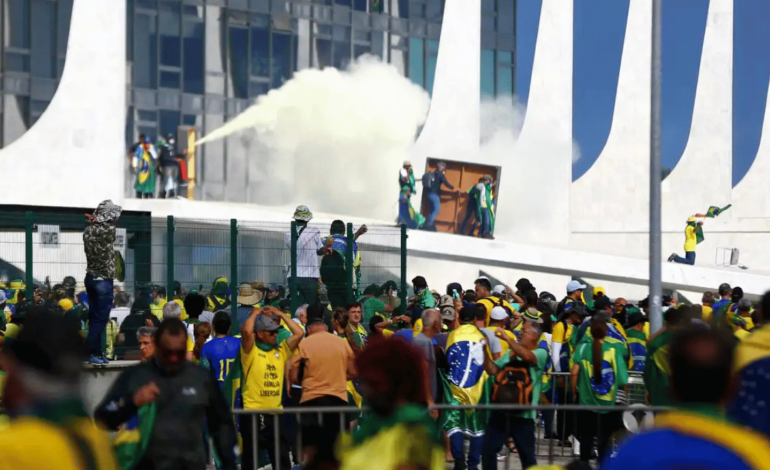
(167, 258)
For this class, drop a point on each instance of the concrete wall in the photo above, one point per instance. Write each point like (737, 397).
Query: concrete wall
(74, 154)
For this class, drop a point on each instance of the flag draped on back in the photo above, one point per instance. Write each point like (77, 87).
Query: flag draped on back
(132, 440)
(465, 381)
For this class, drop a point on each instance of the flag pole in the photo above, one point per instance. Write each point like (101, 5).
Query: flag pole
(656, 287)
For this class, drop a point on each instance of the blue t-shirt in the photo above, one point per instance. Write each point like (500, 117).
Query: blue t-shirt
(219, 355)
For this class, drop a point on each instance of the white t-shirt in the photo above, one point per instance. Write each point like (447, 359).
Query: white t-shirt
(494, 342)
(482, 189)
(119, 314)
(308, 244)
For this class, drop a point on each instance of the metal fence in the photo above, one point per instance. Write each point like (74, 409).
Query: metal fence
(339, 417)
(181, 255)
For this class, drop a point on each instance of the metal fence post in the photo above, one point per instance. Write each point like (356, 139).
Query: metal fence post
(402, 289)
(295, 302)
(349, 264)
(234, 275)
(29, 226)
(170, 258)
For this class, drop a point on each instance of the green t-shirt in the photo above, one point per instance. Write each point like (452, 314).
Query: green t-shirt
(373, 306)
(535, 372)
(656, 370)
(614, 375)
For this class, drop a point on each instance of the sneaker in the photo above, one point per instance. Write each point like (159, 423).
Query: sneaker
(105, 360)
(672, 257)
(96, 361)
(502, 454)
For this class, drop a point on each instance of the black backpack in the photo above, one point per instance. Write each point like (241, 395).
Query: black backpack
(429, 180)
(513, 385)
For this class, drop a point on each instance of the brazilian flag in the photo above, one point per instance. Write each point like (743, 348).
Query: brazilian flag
(714, 211)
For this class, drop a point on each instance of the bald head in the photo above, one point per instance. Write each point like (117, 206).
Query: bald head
(431, 320)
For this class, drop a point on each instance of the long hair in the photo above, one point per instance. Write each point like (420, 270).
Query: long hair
(598, 332)
(405, 374)
(201, 332)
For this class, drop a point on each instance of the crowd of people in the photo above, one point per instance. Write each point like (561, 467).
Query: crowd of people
(162, 157)
(378, 384)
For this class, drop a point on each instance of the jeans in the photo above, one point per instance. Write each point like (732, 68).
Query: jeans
(592, 424)
(689, 258)
(435, 206)
(99, 293)
(470, 213)
(474, 450)
(499, 428)
(170, 178)
(266, 435)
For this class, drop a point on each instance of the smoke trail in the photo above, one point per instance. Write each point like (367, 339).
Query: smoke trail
(332, 140)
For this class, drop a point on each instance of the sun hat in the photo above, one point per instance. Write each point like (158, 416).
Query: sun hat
(247, 295)
(303, 213)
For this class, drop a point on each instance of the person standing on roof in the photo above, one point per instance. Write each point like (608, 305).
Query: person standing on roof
(693, 234)
(309, 248)
(143, 164)
(485, 207)
(98, 240)
(406, 176)
(432, 182)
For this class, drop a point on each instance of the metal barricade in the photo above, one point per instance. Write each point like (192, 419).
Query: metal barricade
(250, 418)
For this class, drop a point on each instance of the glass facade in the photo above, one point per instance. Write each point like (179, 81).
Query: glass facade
(498, 47)
(34, 45)
(202, 62)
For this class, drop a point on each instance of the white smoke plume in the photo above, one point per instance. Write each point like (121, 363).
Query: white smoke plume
(332, 140)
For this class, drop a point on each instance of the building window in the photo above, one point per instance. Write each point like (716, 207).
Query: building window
(487, 72)
(417, 61)
(43, 39)
(145, 51)
(239, 61)
(193, 54)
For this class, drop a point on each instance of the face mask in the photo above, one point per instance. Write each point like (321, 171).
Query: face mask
(395, 293)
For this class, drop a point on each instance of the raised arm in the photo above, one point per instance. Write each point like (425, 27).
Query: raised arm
(247, 331)
(524, 353)
(296, 331)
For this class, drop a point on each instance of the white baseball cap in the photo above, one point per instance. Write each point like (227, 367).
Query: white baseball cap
(498, 313)
(572, 286)
(498, 289)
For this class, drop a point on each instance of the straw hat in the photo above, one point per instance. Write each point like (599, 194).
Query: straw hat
(247, 295)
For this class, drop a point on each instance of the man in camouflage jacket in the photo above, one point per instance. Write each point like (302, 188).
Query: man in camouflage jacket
(98, 239)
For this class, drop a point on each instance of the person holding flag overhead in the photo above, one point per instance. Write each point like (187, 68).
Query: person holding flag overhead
(464, 384)
(693, 234)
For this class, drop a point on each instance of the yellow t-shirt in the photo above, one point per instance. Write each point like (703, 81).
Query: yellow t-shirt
(707, 313)
(263, 371)
(559, 335)
(157, 309)
(12, 330)
(21, 446)
(690, 240)
(489, 303)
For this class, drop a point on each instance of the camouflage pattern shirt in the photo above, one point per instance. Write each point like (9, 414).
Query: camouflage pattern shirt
(100, 254)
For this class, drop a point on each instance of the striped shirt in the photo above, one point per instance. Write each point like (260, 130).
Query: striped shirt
(308, 244)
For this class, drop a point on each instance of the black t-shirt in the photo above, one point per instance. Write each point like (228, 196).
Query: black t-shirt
(129, 327)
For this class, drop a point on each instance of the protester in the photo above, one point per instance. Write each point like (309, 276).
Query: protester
(220, 353)
(333, 263)
(399, 433)
(697, 435)
(98, 240)
(121, 309)
(465, 380)
(749, 404)
(145, 336)
(355, 329)
(201, 334)
(157, 390)
(484, 297)
(263, 361)
(423, 297)
(432, 182)
(140, 317)
(423, 342)
(323, 366)
(309, 247)
(519, 426)
(407, 215)
(143, 163)
(169, 168)
(656, 364)
(637, 338)
(219, 298)
(599, 370)
(493, 342)
(484, 205)
(49, 426)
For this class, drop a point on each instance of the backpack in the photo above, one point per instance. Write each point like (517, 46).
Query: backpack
(429, 180)
(513, 384)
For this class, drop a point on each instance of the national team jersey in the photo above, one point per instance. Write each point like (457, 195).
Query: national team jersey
(219, 354)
